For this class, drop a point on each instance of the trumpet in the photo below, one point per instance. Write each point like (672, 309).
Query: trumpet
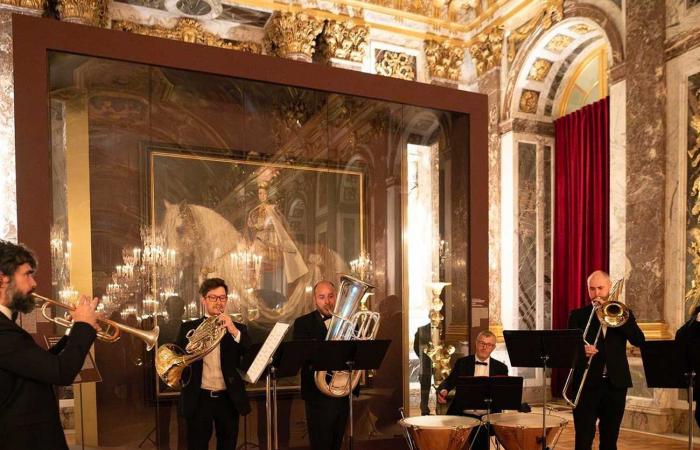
(611, 313)
(112, 330)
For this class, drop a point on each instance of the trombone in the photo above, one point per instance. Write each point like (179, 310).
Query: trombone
(112, 330)
(611, 313)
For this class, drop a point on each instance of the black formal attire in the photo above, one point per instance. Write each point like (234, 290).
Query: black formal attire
(688, 338)
(29, 417)
(604, 393)
(168, 335)
(203, 408)
(326, 417)
(420, 342)
(465, 367)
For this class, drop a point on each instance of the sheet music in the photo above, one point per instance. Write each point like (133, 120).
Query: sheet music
(262, 359)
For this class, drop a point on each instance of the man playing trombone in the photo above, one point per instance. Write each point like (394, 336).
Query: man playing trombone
(214, 395)
(605, 386)
(29, 417)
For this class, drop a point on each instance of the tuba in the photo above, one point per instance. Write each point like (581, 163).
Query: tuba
(171, 360)
(349, 323)
(611, 313)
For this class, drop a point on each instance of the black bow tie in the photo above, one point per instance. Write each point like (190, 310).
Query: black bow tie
(326, 317)
(480, 363)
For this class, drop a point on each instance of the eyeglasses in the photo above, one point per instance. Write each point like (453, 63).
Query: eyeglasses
(485, 344)
(217, 298)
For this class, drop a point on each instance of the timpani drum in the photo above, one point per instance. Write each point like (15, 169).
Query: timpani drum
(439, 432)
(523, 431)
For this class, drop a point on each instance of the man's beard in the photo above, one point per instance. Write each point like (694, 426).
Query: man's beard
(20, 302)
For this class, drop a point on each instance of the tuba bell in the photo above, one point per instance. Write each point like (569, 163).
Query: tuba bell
(349, 323)
(171, 360)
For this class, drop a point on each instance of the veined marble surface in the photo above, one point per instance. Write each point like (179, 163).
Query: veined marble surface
(618, 192)
(8, 205)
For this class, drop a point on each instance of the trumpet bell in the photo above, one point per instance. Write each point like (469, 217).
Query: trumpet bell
(613, 314)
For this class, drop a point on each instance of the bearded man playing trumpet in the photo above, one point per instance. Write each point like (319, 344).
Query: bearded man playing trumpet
(604, 389)
(214, 394)
(29, 417)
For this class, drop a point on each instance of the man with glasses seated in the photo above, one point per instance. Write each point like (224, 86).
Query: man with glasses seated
(478, 365)
(214, 393)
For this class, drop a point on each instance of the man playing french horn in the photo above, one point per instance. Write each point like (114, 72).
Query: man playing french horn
(605, 387)
(214, 393)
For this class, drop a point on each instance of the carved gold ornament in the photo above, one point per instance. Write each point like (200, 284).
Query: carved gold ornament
(187, 30)
(528, 101)
(292, 35)
(38, 5)
(395, 64)
(552, 13)
(486, 53)
(444, 60)
(539, 69)
(345, 40)
(559, 43)
(86, 12)
(581, 28)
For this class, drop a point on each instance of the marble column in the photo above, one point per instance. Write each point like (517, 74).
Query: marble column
(490, 84)
(646, 150)
(8, 191)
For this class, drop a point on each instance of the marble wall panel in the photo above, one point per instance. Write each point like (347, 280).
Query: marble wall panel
(8, 204)
(618, 196)
(527, 236)
(546, 281)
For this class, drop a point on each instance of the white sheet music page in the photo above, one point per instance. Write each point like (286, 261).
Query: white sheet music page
(269, 347)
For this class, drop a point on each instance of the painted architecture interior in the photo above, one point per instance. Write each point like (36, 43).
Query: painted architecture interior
(148, 144)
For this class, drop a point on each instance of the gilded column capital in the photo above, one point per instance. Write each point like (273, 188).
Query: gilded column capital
(187, 30)
(292, 35)
(486, 52)
(444, 60)
(32, 7)
(395, 64)
(552, 13)
(86, 12)
(344, 40)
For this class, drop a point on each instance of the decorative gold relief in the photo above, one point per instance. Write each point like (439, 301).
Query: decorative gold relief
(344, 40)
(539, 70)
(187, 30)
(395, 64)
(486, 53)
(292, 35)
(86, 12)
(552, 13)
(581, 28)
(444, 60)
(38, 5)
(528, 101)
(559, 43)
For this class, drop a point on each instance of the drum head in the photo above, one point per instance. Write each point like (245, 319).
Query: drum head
(440, 421)
(526, 420)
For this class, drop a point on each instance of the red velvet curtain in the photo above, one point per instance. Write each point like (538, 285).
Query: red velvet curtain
(581, 210)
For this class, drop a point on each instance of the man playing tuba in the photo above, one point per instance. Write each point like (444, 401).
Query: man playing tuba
(215, 393)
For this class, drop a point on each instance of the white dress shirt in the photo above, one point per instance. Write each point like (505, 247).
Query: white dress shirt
(481, 370)
(212, 376)
(7, 311)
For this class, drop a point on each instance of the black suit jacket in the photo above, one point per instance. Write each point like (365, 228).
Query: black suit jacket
(309, 327)
(232, 353)
(29, 417)
(612, 351)
(688, 339)
(464, 367)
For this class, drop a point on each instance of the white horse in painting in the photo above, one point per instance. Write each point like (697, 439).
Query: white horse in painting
(204, 241)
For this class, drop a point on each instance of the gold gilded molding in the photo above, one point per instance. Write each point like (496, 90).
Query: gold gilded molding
(187, 30)
(395, 64)
(655, 330)
(498, 331)
(38, 5)
(444, 60)
(86, 12)
(292, 35)
(344, 40)
(552, 13)
(559, 43)
(528, 101)
(539, 70)
(486, 52)
(581, 28)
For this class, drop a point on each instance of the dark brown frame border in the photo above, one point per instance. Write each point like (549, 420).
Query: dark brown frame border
(34, 37)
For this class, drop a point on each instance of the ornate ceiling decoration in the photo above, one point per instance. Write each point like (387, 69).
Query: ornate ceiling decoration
(444, 61)
(528, 101)
(344, 40)
(292, 35)
(559, 43)
(395, 64)
(539, 70)
(486, 52)
(552, 13)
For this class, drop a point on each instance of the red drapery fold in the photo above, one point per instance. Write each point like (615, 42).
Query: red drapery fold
(581, 210)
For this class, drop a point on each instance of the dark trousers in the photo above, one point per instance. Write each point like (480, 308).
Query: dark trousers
(605, 402)
(218, 413)
(326, 418)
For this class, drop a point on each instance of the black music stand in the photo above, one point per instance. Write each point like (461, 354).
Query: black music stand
(488, 393)
(666, 365)
(543, 348)
(350, 355)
